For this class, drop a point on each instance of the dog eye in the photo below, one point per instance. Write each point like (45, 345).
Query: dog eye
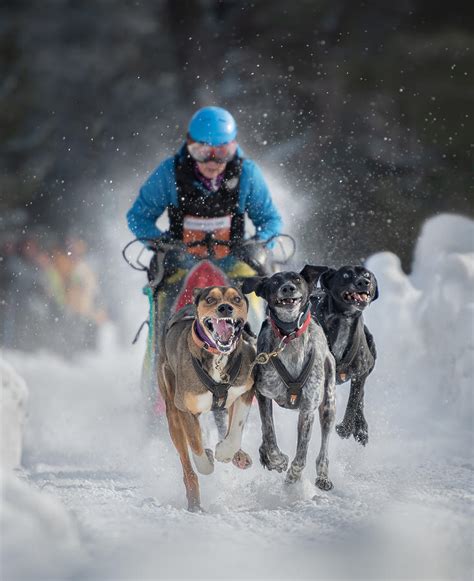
(237, 300)
(210, 300)
(345, 275)
(367, 274)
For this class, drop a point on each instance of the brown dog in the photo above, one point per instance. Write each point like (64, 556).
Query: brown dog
(206, 364)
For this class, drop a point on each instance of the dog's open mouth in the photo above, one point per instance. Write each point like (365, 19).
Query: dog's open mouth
(224, 331)
(356, 298)
(288, 302)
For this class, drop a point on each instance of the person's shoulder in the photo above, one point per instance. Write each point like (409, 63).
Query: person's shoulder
(250, 166)
(163, 173)
(252, 172)
(166, 165)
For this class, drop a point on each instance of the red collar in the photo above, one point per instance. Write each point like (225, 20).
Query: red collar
(293, 334)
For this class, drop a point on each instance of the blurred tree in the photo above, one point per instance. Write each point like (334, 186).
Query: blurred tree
(366, 106)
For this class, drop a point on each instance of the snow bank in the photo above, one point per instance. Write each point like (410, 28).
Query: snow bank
(424, 322)
(39, 538)
(13, 400)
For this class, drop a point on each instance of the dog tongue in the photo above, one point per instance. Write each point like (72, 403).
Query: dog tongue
(224, 329)
(362, 298)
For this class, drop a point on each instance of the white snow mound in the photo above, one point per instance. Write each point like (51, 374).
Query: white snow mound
(13, 402)
(39, 538)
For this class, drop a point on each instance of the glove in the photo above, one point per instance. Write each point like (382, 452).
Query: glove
(252, 252)
(164, 240)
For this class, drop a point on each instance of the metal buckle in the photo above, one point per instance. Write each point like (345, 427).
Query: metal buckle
(300, 323)
(225, 378)
(262, 358)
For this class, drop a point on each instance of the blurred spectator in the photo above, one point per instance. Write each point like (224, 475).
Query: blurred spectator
(82, 288)
(48, 289)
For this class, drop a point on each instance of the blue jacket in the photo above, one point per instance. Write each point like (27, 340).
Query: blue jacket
(159, 192)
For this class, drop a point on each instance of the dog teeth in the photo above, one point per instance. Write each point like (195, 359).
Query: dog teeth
(288, 301)
(359, 297)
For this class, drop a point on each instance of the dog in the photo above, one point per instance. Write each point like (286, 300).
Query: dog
(300, 373)
(205, 364)
(345, 293)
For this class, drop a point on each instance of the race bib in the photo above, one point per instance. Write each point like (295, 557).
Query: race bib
(206, 224)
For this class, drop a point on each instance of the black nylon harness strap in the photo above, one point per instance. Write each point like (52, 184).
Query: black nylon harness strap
(294, 386)
(350, 354)
(219, 390)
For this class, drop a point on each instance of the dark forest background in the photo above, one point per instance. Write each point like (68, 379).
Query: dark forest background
(365, 108)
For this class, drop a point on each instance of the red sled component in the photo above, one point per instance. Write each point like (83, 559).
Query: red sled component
(205, 273)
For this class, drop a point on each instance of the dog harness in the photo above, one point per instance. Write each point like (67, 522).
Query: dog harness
(344, 364)
(294, 386)
(219, 389)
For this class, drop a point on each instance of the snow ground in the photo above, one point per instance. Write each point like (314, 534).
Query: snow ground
(98, 499)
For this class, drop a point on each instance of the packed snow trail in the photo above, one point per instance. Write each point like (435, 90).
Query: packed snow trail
(111, 502)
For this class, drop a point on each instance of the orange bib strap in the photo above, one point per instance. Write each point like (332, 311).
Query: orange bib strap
(196, 229)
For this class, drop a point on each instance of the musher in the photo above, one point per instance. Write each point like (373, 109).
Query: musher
(207, 188)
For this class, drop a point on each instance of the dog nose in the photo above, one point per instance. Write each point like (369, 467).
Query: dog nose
(363, 283)
(288, 289)
(225, 310)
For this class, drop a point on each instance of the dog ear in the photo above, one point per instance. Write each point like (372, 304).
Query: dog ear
(254, 284)
(376, 295)
(312, 273)
(325, 278)
(197, 294)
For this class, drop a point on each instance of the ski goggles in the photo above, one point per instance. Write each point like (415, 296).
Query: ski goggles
(203, 152)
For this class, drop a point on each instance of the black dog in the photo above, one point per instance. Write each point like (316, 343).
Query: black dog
(338, 307)
(301, 376)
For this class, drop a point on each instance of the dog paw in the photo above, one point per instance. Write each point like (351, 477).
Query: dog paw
(242, 460)
(205, 462)
(361, 435)
(196, 508)
(344, 430)
(293, 475)
(323, 483)
(274, 460)
(225, 451)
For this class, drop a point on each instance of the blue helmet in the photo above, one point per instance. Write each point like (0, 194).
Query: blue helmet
(212, 125)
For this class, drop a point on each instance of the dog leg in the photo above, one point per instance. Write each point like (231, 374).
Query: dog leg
(305, 425)
(203, 457)
(178, 436)
(361, 429)
(229, 448)
(221, 419)
(327, 415)
(270, 455)
(347, 427)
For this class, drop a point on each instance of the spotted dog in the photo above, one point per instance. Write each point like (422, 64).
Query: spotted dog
(338, 307)
(300, 374)
(205, 364)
